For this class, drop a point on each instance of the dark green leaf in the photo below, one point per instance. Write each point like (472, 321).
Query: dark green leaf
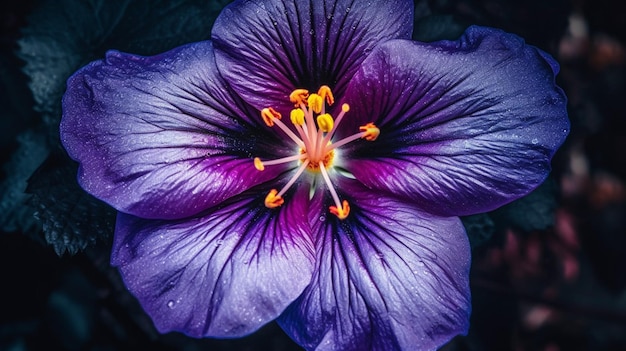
(535, 211)
(15, 99)
(15, 213)
(71, 218)
(437, 27)
(479, 228)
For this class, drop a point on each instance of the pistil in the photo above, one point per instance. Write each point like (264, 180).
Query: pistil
(315, 129)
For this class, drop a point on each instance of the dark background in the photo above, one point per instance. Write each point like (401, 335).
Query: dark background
(549, 271)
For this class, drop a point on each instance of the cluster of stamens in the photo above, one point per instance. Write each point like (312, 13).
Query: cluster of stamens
(315, 128)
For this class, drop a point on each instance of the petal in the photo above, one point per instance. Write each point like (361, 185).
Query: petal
(161, 137)
(223, 274)
(266, 49)
(466, 126)
(388, 277)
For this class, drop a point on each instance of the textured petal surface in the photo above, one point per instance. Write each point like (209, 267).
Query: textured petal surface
(162, 136)
(388, 277)
(466, 126)
(223, 274)
(266, 49)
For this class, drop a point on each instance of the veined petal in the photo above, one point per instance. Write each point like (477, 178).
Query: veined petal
(223, 274)
(388, 277)
(266, 49)
(162, 137)
(466, 126)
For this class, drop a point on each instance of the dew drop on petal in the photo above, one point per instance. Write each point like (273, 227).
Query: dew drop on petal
(534, 141)
(170, 304)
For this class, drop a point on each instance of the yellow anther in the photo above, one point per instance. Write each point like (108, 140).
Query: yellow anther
(326, 94)
(325, 122)
(371, 132)
(258, 164)
(297, 116)
(342, 212)
(315, 102)
(345, 108)
(268, 115)
(299, 96)
(272, 200)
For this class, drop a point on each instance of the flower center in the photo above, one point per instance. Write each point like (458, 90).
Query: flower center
(316, 150)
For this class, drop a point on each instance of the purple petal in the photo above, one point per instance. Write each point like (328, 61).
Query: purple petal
(388, 277)
(266, 49)
(466, 126)
(223, 274)
(162, 137)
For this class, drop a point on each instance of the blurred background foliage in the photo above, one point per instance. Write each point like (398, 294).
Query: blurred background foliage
(549, 270)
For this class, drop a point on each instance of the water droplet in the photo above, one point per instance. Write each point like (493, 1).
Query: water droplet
(420, 263)
(219, 242)
(170, 304)
(322, 218)
(534, 141)
(379, 255)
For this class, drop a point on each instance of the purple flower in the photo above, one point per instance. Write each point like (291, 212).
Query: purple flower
(340, 219)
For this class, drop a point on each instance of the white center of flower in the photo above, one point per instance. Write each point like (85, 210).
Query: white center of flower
(315, 130)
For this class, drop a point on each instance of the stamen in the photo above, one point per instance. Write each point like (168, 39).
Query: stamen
(297, 116)
(260, 165)
(272, 200)
(269, 115)
(340, 210)
(275, 198)
(344, 109)
(299, 96)
(368, 132)
(315, 103)
(325, 122)
(371, 131)
(309, 126)
(316, 129)
(294, 178)
(326, 94)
